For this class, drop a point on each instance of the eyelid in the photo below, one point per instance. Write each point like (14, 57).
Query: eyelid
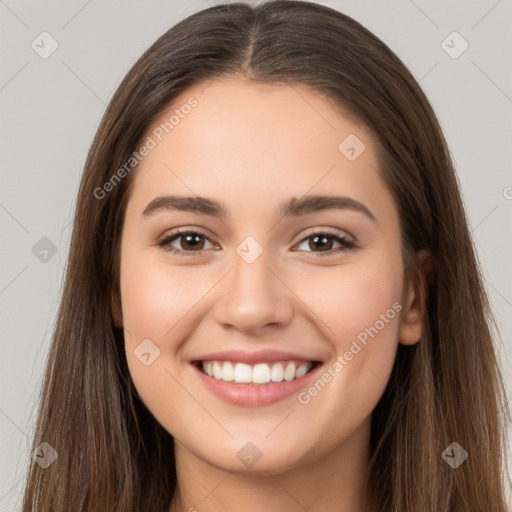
(335, 232)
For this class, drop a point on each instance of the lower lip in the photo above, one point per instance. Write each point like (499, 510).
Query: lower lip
(254, 395)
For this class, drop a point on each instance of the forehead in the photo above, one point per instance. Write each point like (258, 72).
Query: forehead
(255, 143)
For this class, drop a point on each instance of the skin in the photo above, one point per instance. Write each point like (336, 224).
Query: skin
(253, 146)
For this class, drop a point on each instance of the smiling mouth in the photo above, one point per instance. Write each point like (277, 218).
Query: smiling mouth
(261, 373)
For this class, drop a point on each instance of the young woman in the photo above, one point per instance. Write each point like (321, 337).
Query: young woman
(272, 300)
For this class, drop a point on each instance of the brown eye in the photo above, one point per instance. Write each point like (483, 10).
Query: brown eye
(192, 241)
(324, 241)
(189, 242)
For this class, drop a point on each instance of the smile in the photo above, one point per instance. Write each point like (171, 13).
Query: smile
(255, 383)
(261, 373)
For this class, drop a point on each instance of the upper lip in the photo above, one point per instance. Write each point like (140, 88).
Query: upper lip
(260, 356)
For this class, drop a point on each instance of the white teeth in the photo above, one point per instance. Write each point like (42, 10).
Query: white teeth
(217, 370)
(243, 373)
(276, 374)
(261, 373)
(289, 373)
(228, 372)
(301, 371)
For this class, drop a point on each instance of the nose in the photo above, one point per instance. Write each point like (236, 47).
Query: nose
(254, 296)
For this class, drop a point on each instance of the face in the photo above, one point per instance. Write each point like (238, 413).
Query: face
(262, 293)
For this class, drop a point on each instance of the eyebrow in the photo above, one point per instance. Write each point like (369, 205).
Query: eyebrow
(291, 208)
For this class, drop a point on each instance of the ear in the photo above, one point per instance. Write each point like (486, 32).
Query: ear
(115, 308)
(412, 322)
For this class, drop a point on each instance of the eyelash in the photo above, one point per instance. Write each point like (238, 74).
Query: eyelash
(167, 239)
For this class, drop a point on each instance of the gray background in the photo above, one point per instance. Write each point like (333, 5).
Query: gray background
(50, 109)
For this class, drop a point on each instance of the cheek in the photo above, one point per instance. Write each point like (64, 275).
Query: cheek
(156, 298)
(358, 308)
(158, 305)
(352, 298)
(163, 304)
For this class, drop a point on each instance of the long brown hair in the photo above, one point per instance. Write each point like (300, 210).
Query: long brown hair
(112, 453)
